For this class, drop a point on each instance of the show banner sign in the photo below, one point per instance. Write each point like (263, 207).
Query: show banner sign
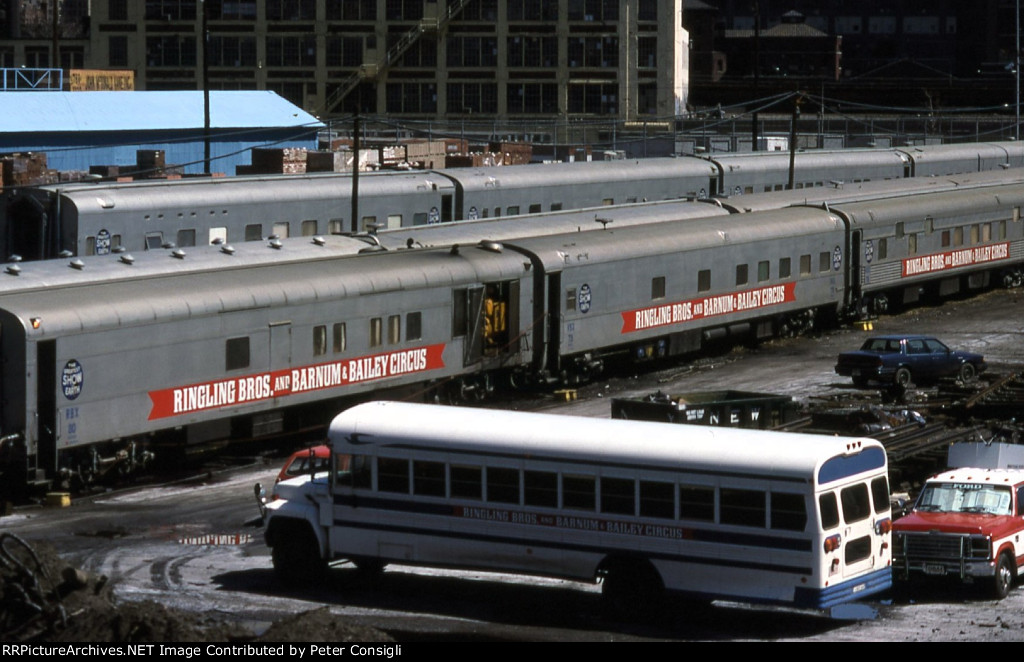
(696, 309)
(246, 389)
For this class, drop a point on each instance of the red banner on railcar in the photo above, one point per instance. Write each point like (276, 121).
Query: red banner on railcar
(680, 312)
(965, 257)
(278, 383)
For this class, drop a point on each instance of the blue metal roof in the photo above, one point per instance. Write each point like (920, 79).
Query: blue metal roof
(40, 111)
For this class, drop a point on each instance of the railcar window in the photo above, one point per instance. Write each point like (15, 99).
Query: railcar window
(319, 340)
(883, 248)
(154, 240)
(579, 492)
(703, 280)
(512, 210)
(368, 222)
(658, 287)
(394, 329)
(824, 261)
(856, 505)
(540, 488)
(899, 230)
(340, 337)
(986, 232)
(186, 238)
(90, 245)
(912, 244)
(536, 208)
(393, 475)
(459, 318)
(975, 234)
(308, 228)
(788, 511)
(414, 326)
(741, 274)
(763, 271)
(570, 299)
(784, 267)
(428, 478)
(607, 202)
(805, 265)
(281, 229)
(502, 485)
(556, 206)
(958, 236)
(696, 502)
(657, 500)
(944, 239)
(376, 332)
(829, 508)
(394, 221)
(618, 496)
(743, 507)
(336, 225)
(497, 212)
(1002, 229)
(880, 494)
(253, 232)
(467, 482)
(236, 353)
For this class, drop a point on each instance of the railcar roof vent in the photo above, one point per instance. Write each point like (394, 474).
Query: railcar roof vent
(490, 245)
(178, 253)
(127, 259)
(14, 258)
(77, 264)
(227, 249)
(275, 243)
(14, 270)
(65, 254)
(319, 241)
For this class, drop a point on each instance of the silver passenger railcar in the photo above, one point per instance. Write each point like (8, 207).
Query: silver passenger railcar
(83, 219)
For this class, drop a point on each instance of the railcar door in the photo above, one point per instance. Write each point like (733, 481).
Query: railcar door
(46, 402)
(280, 345)
(488, 318)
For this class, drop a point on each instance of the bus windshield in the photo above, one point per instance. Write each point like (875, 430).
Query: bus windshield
(965, 498)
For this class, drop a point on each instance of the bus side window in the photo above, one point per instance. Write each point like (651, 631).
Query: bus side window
(829, 510)
(342, 469)
(362, 474)
(788, 512)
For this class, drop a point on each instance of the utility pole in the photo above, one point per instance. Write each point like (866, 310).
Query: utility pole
(757, 71)
(797, 101)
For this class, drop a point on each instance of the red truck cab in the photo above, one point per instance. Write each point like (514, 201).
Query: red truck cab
(967, 524)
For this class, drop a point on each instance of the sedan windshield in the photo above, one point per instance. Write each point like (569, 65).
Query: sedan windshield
(964, 498)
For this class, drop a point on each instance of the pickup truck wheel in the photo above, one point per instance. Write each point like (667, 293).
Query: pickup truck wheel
(1002, 582)
(967, 373)
(902, 377)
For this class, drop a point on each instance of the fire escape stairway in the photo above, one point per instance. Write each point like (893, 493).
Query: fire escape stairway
(372, 70)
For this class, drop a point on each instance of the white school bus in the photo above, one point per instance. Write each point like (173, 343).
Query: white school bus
(643, 508)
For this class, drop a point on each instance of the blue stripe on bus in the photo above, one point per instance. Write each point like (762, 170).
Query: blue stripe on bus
(840, 467)
(837, 594)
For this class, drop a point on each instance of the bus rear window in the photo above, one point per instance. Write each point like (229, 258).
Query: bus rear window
(856, 505)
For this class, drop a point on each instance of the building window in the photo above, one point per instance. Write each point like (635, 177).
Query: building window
(171, 10)
(291, 51)
(291, 10)
(532, 10)
(530, 51)
(411, 97)
(232, 10)
(469, 98)
(171, 51)
(352, 10)
(232, 51)
(532, 98)
(117, 10)
(593, 10)
(471, 51)
(595, 52)
(117, 51)
(594, 98)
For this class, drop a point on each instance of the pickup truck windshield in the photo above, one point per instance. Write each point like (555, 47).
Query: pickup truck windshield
(964, 498)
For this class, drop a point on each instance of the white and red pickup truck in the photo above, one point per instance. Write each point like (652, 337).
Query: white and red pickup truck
(967, 524)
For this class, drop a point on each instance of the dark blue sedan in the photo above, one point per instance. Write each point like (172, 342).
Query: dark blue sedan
(902, 359)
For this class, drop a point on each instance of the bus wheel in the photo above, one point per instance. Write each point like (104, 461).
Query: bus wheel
(296, 557)
(1002, 582)
(631, 589)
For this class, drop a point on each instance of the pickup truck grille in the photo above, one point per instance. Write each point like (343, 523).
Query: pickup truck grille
(942, 546)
